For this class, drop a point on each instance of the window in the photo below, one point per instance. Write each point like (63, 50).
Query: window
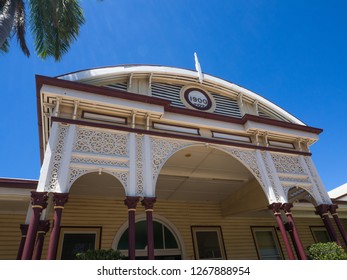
(165, 243)
(266, 242)
(320, 234)
(208, 243)
(75, 240)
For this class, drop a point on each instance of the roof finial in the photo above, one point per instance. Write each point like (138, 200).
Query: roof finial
(198, 68)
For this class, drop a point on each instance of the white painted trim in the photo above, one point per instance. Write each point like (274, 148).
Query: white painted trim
(176, 128)
(264, 175)
(46, 165)
(317, 196)
(148, 186)
(276, 178)
(103, 100)
(100, 117)
(281, 144)
(234, 137)
(63, 177)
(131, 190)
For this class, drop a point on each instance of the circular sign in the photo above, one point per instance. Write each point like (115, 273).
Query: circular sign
(198, 99)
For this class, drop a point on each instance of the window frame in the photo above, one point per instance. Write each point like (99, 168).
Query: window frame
(218, 230)
(97, 230)
(140, 253)
(273, 230)
(314, 229)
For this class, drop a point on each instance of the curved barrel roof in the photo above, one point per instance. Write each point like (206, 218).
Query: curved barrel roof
(103, 76)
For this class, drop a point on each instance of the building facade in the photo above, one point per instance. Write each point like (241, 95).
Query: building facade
(168, 163)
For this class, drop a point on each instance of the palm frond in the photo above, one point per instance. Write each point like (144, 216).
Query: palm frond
(20, 27)
(55, 25)
(5, 47)
(7, 15)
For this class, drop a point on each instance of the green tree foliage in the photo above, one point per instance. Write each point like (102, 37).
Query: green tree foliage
(55, 25)
(100, 255)
(326, 251)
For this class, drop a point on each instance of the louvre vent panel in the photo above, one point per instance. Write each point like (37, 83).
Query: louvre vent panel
(121, 86)
(226, 106)
(265, 113)
(168, 92)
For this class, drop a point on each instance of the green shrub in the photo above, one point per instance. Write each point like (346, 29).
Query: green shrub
(100, 255)
(326, 251)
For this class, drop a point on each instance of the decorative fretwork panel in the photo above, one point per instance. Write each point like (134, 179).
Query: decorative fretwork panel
(101, 142)
(122, 176)
(139, 164)
(162, 149)
(297, 194)
(97, 150)
(287, 164)
(100, 161)
(324, 197)
(75, 173)
(248, 158)
(271, 175)
(57, 155)
(295, 171)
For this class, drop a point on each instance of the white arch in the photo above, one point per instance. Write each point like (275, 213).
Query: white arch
(161, 162)
(308, 190)
(85, 172)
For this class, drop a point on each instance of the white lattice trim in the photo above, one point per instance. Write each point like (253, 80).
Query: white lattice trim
(287, 164)
(75, 173)
(300, 190)
(321, 194)
(100, 162)
(101, 142)
(162, 150)
(56, 158)
(274, 178)
(247, 157)
(139, 165)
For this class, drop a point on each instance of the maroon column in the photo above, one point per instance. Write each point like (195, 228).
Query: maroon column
(39, 202)
(289, 228)
(276, 208)
(322, 211)
(131, 202)
(24, 230)
(286, 208)
(333, 212)
(59, 200)
(41, 232)
(148, 203)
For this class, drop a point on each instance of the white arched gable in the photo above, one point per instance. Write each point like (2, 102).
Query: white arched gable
(177, 73)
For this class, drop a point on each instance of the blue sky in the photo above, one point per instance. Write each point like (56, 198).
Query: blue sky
(293, 53)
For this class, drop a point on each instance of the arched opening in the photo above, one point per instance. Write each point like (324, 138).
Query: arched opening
(213, 199)
(91, 214)
(304, 205)
(97, 184)
(300, 195)
(167, 245)
(206, 174)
